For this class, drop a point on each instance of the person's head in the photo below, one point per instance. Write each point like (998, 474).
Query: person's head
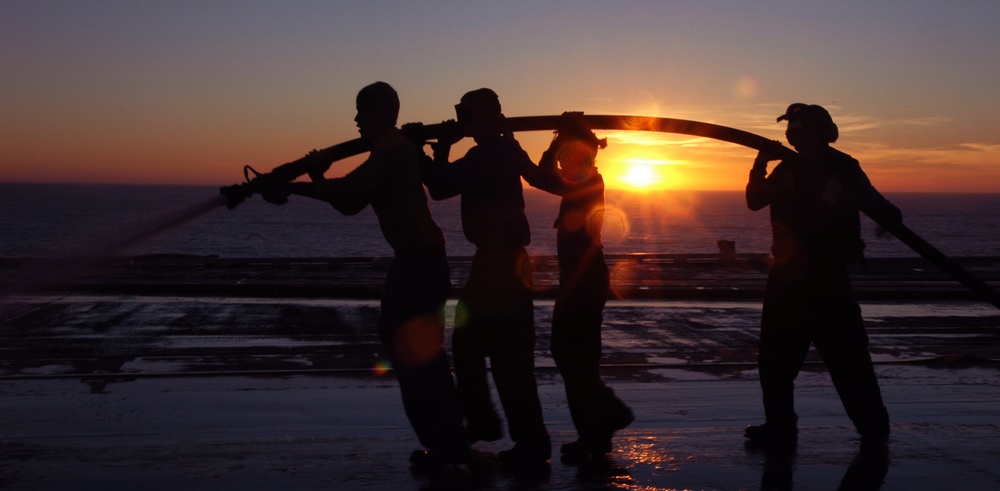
(479, 112)
(577, 147)
(809, 126)
(378, 109)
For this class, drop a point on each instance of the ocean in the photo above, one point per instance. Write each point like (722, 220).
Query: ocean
(51, 220)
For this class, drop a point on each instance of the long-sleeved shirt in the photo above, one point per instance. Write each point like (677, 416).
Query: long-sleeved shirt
(488, 179)
(390, 181)
(581, 210)
(814, 208)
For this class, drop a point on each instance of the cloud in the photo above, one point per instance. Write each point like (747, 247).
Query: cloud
(970, 155)
(851, 123)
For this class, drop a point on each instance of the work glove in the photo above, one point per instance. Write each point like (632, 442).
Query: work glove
(414, 131)
(761, 161)
(273, 192)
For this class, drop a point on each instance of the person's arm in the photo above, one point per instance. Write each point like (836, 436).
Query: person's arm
(548, 160)
(351, 193)
(759, 188)
(872, 203)
(443, 179)
(331, 191)
(543, 176)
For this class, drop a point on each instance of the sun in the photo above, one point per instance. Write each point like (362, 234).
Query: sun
(639, 176)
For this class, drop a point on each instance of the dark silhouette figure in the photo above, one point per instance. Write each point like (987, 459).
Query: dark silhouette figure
(815, 199)
(418, 282)
(567, 168)
(495, 314)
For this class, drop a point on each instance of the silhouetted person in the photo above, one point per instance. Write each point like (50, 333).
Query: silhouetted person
(495, 314)
(567, 168)
(815, 199)
(418, 282)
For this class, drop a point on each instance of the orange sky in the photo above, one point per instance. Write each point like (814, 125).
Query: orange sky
(189, 93)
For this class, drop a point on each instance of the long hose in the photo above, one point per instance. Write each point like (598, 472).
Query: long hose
(322, 159)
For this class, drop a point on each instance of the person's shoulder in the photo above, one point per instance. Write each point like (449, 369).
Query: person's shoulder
(395, 142)
(395, 138)
(842, 158)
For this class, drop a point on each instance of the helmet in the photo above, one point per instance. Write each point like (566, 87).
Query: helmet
(482, 101)
(811, 117)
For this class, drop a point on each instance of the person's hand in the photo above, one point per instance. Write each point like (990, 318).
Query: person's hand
(415, 132)
(892, 216)
(505, 131)
(276, 194)
(317, 164)
(450, 134)
(760, 163)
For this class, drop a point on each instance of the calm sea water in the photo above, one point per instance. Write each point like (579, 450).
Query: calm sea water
(55, 220)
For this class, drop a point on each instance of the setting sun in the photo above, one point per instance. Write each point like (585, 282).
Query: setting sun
(639, 176)
(641, 161)
(644, 161)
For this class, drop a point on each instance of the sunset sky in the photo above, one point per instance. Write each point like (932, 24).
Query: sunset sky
(187, 92)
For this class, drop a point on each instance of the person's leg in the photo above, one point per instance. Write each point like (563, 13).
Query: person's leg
(843, 343)
(576, 349)
(780, 357)
(782, 350)
(513, 364)
(412, 333)
(512, 358)
(469, 351)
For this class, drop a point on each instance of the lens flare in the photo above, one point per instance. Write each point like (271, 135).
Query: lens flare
(615, 224)
(623, 278)
(419, 341)
(382, 367)
(746, 87)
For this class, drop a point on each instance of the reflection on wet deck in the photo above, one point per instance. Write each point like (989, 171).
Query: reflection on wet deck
(119, 389)
(146, 335)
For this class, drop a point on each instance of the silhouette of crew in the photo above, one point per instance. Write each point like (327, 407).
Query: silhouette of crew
(814, 202)
(418, 281)
(495, 314)
(567, 169)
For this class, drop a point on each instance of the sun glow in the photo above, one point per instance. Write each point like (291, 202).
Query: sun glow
(640, 161)
(645, 162)
(640, 174)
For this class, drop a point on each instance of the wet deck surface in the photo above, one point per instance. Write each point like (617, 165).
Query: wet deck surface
(343, 432)
(125, 391)
(122, 390)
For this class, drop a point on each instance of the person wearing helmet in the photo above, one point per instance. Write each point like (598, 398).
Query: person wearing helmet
(495, 314)
(814, 201)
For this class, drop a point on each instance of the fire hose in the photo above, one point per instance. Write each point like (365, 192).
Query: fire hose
(320, 160)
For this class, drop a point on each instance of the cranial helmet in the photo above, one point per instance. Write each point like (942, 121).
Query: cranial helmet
(811, 117)
(483, 101)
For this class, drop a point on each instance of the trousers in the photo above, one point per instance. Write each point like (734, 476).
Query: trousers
(411, 329)
(495, 320)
